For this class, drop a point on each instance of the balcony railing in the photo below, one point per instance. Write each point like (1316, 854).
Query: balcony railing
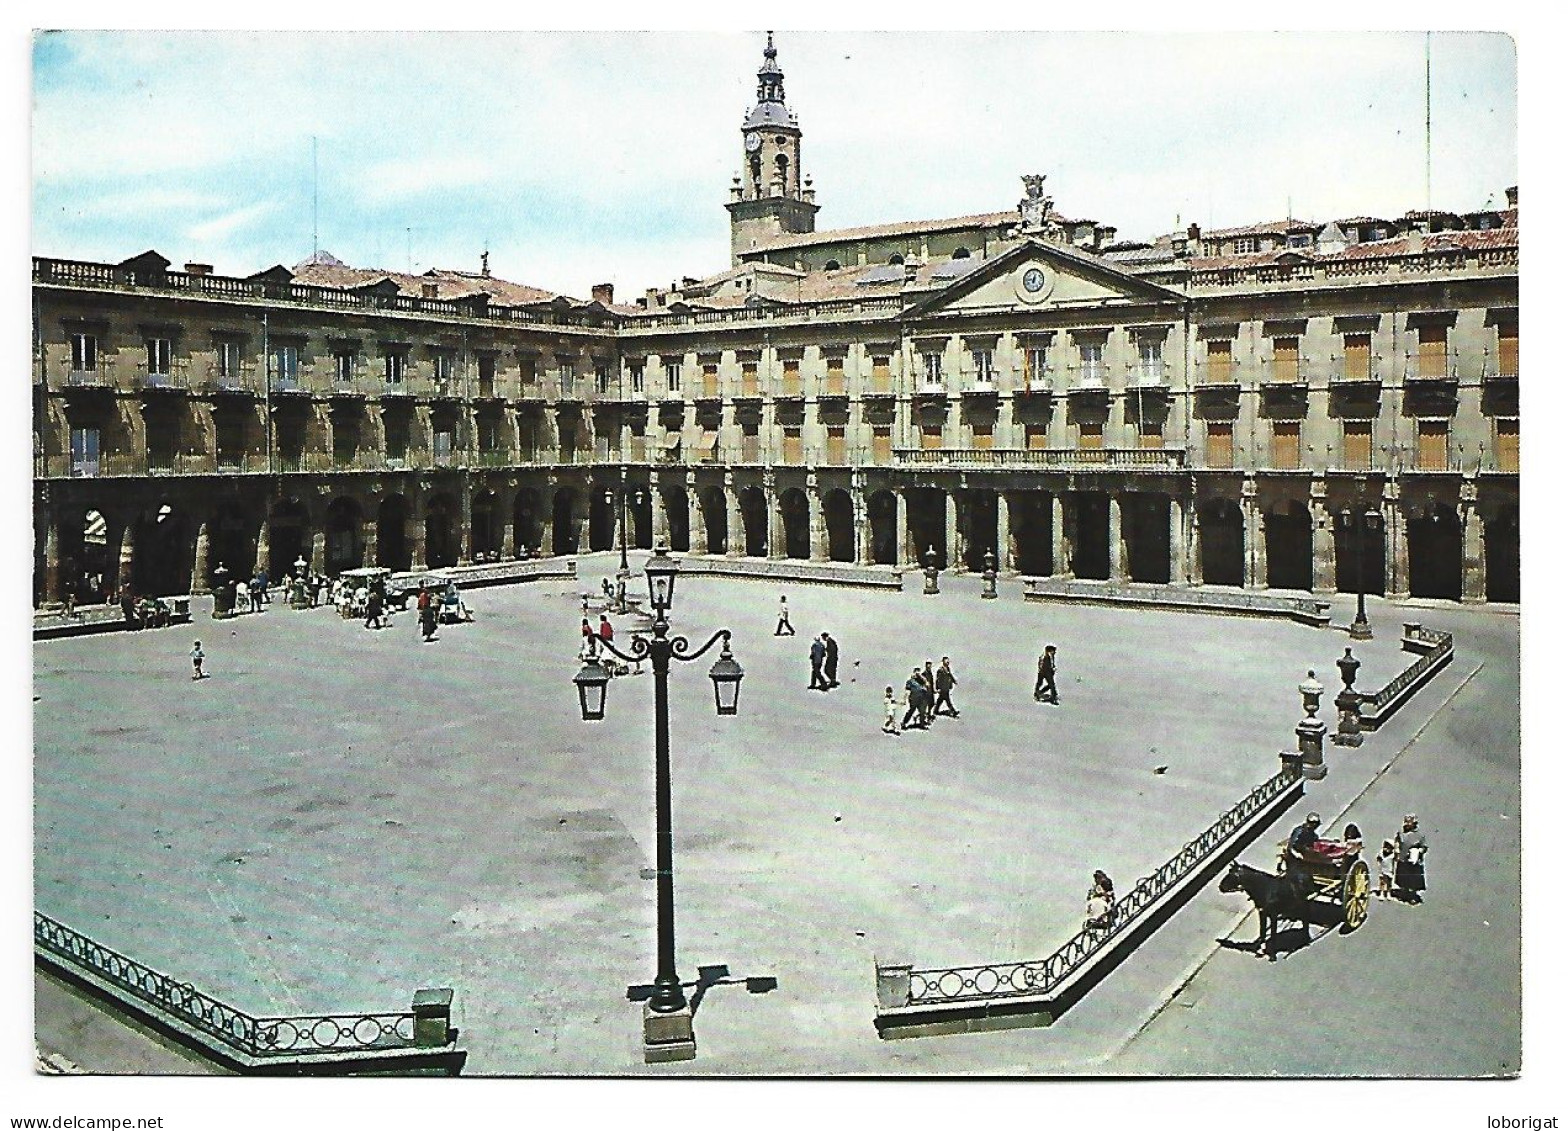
(99, 375)
(1148, 374)
(237, 380)
(175, 375)
(1162, 458)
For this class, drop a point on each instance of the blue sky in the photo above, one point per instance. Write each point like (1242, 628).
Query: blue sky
(586, 157)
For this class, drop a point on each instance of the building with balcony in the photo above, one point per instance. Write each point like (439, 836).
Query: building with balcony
(1194, 409)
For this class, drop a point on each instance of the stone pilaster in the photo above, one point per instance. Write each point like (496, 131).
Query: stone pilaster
(1118, 544)
(1178, 541)
(816, 523)
(1473, 586)
(1007, 547)
(1322, 538)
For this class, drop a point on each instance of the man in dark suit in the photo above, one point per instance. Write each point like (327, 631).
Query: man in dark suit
(830, 663)
(819, 652)
(1045, 676)
(945, 682)
(915, 692)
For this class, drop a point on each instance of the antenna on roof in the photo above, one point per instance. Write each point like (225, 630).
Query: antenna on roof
(1429, 121)
(315, 200)
(484, 260)
(408, 247)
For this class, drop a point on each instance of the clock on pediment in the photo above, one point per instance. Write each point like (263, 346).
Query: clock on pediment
(1035, 282)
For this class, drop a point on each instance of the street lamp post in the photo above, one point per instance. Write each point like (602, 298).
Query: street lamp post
(618, 498)
(1360, 519)
(667, 1031)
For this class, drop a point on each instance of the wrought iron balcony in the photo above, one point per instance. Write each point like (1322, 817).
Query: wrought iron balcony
(1146, 458)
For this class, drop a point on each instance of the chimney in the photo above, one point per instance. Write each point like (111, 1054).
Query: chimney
(1194, 233)
(911, 269)
(1513, 196)
(427, 290)
(604, 292)
(198, 268)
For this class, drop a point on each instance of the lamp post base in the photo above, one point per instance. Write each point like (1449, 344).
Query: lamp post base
(1360, 630)
(667, 1036)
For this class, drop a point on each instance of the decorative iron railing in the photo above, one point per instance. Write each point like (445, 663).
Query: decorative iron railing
(1201, 599)
(1440, 647)
(253, 1036)
(1043, 457)
(1042, 976)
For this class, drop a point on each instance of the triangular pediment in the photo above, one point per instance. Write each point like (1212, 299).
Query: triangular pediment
(1038, 276)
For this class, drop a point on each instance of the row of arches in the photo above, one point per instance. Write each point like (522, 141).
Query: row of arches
(1134, 536)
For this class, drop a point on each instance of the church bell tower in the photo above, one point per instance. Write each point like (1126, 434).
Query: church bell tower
(767, 199)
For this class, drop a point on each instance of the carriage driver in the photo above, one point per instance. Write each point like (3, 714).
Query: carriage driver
(1303, 839)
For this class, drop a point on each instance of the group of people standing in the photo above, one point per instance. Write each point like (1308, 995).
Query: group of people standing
(927, 694)
(1400, 863)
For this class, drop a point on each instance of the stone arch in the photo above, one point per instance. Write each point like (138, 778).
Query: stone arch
(882, 512)
(527, 522)
(1088, 516)
(486, 530)
(165, 550)
(1221, 545)
(1287, 535)
(754, 518)
(231, 542)
(1436, 551)
(1146, 532)
(715, 520)
(441, 540)
(1349, 573)
(677, 517)
(601, 517)
(392, 548)
(926, 508)
(288, 535)
(1031, 522)
(838, 513)
(88, 562)
(344, 525)
(796, 513)
(639, 508)
(1500, 537)
(563, 524)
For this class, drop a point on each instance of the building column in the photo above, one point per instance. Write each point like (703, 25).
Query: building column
(816, 522)
(547, 517)
(264, 544)
(1195, 542)
(1473, 586)
(863, 548)
(696, 521)
(1007, 549)
(465, 519)
(1322, 538)
(901, 532)
(1118, 545)
(51, 578)
(770, 497)
(199, 567)
(1178, 540)
(1396, 547)
(955, 555)
(661, 517)
(318, 548)
(127, 566)
(509, 537)
(1061, 545)
(1254, 565)
(416, 532)
(734, 527)
(370, 538)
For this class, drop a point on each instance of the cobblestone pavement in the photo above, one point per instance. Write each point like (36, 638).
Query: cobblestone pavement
(339, 817)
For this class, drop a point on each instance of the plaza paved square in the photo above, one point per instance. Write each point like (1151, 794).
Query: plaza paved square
(338, 816)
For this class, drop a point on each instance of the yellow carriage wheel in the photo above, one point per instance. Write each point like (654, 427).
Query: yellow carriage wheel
(1356, 894)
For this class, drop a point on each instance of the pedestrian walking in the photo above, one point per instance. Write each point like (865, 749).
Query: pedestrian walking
(784, 628)
(427, 621)
(928, 700)
(830, 661)
(373, 608)
(945, 682)
(197, 656)
(422, 602)
(1045, 676)
(606, 629)
(914, 692)
(819, 653)
(889, 713)
(1385, 861)
(1410, 863)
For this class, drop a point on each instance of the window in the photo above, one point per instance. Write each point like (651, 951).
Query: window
(1287, 360)
(393, 366)
(1432, 351)
(1220, 448)
(750, 442)
(1150, 434)
(441, 446)
(344, 365)
(1091, 361)
(1091, 435)
(793, 450)
(487, 375)
(1358, 445)
(1217, 370)
(285, 363)
(835, 380)
(566, 376)
(1358, 357)
(530, 369)
(838, 447)
(710, 379)
(748, 379)
(1286, 444)
(1037, 367)
(159, 353)
(396, 426)
(932, 363)
(636, 372)
(1247, 245)
(84, 451)
(84, 353)
(882, 443)
(1151, 361)
(984, 374)
(881, 374)
(1300, 240)
(229, 432)
(672, 375)
(345, 438)
(1508, 444)
(1432, 445)
(981, 437)
(792, 387)
(1036, 436)
(443, 366)
(930, 436)
(228, 360)
(1508, 349)
(831, 265)
(489, 435)
(601, 378)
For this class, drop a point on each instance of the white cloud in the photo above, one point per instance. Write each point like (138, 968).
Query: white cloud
(230, 224)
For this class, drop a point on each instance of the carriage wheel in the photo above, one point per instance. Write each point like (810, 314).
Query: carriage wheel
(1356, 894)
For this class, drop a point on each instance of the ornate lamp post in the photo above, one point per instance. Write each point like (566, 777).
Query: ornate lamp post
(618, 498)
(667, 1031)
(989, 577)
(931, 572)
(1358, 520)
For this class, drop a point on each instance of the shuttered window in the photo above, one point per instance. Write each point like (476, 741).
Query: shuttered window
(1287, 359)
(1091, 434)
(981, 436)
(1358, 445)
(1508, 445)
(1218, 370)
(793, 450)
(750, 444)
(1432, 351)
(1358, 357)
(881, 375)
(748, 379)
(1150, 434)
(1286, 444)
(1036, 437)
(710, 380)
(1508, 351)
(1432, 445)
(708, 446)
(930, 436)
(835, 386)
(791, 386)
(838, 447)
(882, 443)
(1220, 448)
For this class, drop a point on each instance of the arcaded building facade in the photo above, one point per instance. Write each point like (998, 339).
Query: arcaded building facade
(1218, 408)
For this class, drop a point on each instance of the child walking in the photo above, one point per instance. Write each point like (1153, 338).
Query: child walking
(1385, 871)
(197, 656)
(889, 713)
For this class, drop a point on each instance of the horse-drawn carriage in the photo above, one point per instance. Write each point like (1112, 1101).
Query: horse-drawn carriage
(1304, 887)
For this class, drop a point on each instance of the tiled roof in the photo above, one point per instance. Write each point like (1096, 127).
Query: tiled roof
(448, 284)
(880, 231)
(1274, 227)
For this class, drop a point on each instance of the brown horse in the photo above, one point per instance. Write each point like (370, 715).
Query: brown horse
(1276, 897)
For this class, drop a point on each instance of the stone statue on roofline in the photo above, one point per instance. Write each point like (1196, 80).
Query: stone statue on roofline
(1034, 210)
